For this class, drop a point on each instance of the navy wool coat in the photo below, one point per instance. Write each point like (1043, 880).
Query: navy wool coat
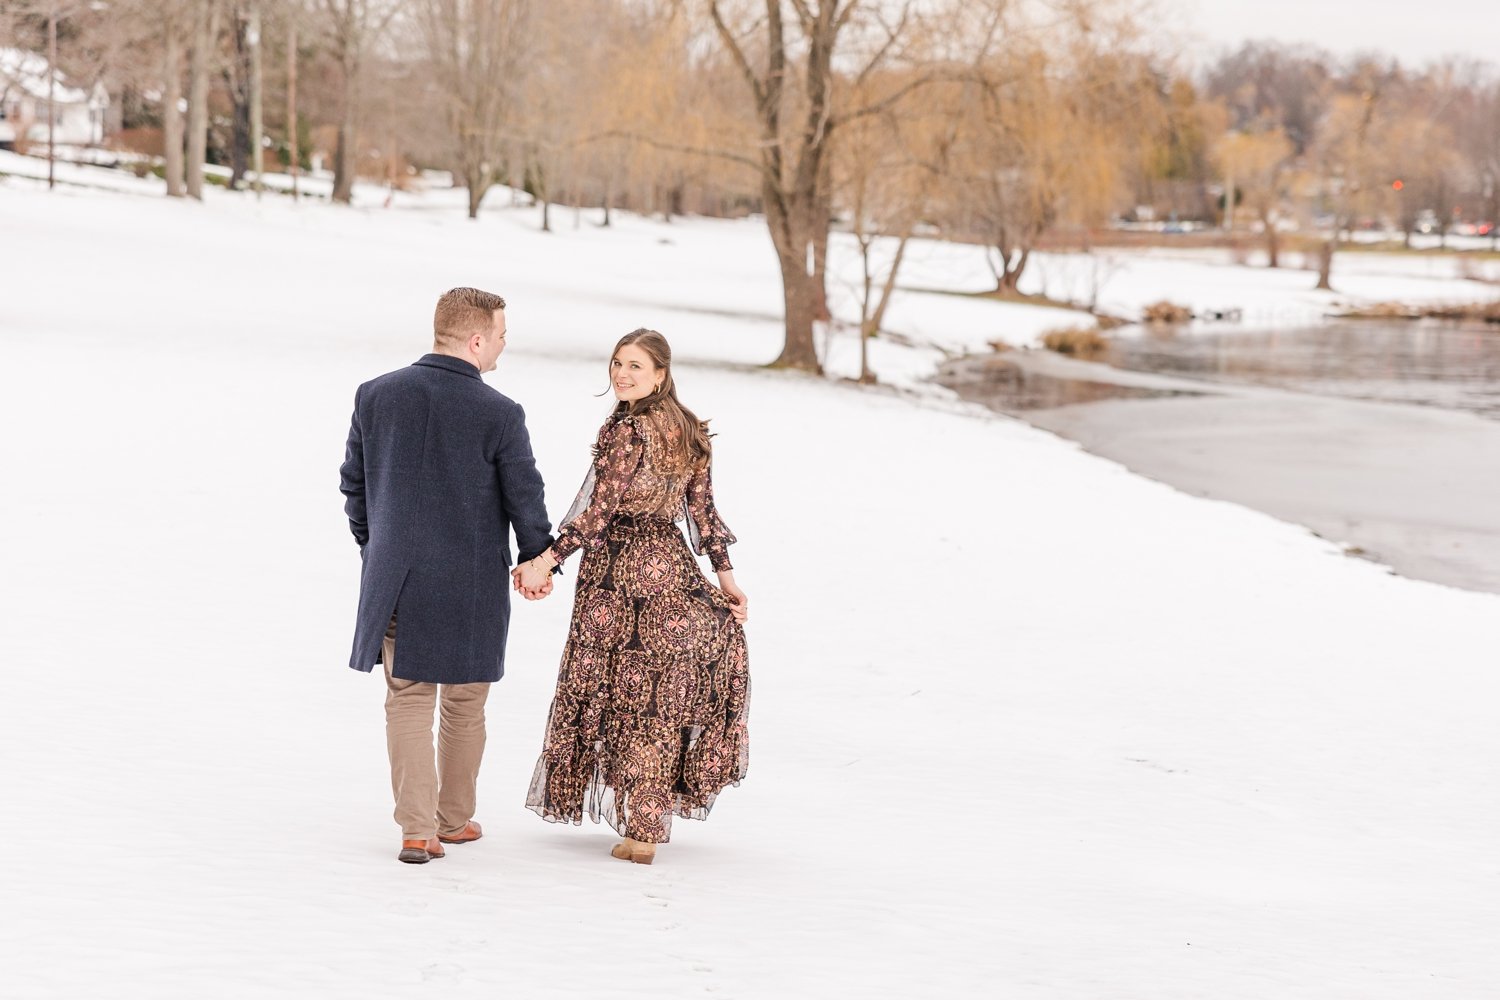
(437, 472)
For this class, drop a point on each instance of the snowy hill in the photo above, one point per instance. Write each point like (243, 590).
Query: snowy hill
(1024, 725)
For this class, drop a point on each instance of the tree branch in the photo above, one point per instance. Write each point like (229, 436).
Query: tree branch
(894, 98)
(738, 53)
(805, 15)
(844, 16)
(891, 35)
(759, 166)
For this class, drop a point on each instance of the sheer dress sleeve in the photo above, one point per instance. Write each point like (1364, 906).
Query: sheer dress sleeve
(620, 455)
(707, 530)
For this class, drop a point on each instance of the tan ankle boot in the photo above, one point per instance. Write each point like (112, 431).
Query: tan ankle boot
(634, 851)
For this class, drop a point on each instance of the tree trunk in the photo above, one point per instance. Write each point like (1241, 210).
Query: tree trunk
(344, 152)
(1273, 246)
(875, 318)
(541, 194)
(822, 229)
(257, 88)
(1494, 213)
(867, 331)
(867, 324)
(609, 198)
(343, 156)
(791, 238)
(205, 30)
(1013, 261)
(820, 275)
(478, 187)
(237, 74)
(1325, 262)
(171, 111)
(52, 99)
(800, 297)
(294, 152)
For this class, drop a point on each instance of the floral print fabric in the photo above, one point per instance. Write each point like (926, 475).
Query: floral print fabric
(649, 720)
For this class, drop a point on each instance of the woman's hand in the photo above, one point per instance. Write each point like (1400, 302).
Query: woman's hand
(533, 579)
(741, 609)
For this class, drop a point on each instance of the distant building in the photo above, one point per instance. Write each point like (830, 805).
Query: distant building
(23, 104)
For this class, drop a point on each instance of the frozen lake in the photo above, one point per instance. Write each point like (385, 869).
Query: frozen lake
(1382, 436)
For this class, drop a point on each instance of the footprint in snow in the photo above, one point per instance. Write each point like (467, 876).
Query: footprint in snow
(440, 971)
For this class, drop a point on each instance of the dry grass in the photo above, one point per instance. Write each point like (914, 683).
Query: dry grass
(1076, 342)
(1483, 312)
(1383, 310)
(1166, 313)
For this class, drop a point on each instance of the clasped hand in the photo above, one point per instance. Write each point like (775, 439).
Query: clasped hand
(532, 581)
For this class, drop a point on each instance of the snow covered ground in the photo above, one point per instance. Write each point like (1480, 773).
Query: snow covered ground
(1025, 725)
(936, 313)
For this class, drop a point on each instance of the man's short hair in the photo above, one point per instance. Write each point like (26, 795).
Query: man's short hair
(463, 312)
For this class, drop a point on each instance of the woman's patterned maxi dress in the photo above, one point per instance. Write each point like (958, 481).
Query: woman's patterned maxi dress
(649, 719)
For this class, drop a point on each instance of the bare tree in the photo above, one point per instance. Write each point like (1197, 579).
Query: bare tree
(1009, 181)
(887, 172)
(205, 35)
(293, 150)
(1346, 155)
(173, 131)
(1485, 154)
(1255, 166)
(1050, 136)
(52, 16)
(473, 49)
(52, 13)
(793, 92)
(1271, 84)
(1423, 165)
(351, 28)
(635, 126)
(243, 74)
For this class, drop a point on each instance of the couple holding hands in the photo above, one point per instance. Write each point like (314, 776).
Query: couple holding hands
(649, 718)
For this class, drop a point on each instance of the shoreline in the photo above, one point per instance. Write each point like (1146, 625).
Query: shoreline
(1410, 487)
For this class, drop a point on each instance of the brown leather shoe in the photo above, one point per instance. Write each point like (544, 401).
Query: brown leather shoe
(470, 833)
(634, 851)
(419, 852)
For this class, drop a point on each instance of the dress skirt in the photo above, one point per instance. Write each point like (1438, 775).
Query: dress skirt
(649, 718)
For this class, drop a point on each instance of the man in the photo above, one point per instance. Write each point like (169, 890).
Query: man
(437, 472)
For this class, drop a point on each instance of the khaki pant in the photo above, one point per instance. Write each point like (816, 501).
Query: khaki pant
(432, 797)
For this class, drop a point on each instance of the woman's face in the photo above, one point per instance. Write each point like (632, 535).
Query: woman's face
(633, 374)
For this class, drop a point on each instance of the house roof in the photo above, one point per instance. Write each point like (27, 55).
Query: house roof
(27, 71)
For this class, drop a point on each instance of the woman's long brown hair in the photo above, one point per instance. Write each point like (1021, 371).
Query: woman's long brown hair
(691, 444)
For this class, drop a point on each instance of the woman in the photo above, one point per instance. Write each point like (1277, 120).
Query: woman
(649, 719)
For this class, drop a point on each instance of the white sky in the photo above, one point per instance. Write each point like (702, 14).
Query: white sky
(1415, 31)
